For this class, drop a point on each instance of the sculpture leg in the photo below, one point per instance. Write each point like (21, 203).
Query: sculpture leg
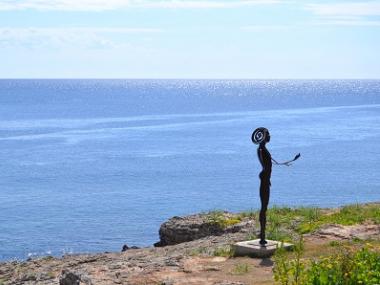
(264, 197)
(262, 226)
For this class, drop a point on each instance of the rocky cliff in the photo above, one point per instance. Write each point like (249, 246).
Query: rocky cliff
(192, 250)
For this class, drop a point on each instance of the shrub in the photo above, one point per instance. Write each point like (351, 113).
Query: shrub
(348, 267)
(219, 218)
(290, 272)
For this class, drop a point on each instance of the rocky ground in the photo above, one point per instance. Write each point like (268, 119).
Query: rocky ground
(192, 250)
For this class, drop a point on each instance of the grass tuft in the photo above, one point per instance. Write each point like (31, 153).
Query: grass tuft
(221, 219)
(226, 251)
(240, 269)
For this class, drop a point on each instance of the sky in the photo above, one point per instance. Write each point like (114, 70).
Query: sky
(268, 39)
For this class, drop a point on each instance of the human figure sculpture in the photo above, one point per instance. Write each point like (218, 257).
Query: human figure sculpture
(261, 136)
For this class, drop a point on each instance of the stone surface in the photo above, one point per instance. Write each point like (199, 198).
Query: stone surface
(69, 278)
(253, 248)
(349, 232)
(73, 278)
(145, 266)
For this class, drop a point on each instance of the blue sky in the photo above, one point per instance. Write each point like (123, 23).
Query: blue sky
(189, 39)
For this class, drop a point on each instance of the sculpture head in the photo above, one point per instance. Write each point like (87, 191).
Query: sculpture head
(260, 136)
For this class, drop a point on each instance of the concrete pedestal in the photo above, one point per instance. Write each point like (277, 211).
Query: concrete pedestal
(254, 249)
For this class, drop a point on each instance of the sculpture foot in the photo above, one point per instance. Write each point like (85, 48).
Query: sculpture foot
(263, 242)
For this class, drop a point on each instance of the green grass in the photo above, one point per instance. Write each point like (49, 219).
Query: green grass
(51, 274)
(199, 251)
(240, 269)
(285, 223)
(252, 214)
(226, 251)
(348, 265)
(47, 258)
(223, 251)
(219, 218)
(335, 243)
(282, 221)
(348, 215)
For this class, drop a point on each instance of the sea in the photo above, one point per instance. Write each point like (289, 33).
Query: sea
(89, 165)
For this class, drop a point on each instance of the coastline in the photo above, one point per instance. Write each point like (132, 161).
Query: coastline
(196, 249)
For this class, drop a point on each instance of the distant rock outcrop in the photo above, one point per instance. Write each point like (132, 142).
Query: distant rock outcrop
(183, 229)
(126, 247)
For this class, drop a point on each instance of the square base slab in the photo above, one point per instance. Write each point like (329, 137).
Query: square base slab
(254, 249)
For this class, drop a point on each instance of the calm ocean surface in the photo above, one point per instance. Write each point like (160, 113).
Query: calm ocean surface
(88, 165)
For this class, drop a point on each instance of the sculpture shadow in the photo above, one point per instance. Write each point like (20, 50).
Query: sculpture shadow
(267, 262)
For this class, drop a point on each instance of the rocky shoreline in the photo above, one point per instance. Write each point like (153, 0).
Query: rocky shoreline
(192, 250)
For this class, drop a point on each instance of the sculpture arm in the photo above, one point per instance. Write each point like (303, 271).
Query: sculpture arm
(275, 162)
(287, 163)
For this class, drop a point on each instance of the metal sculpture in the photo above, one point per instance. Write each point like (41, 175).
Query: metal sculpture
(261, 136)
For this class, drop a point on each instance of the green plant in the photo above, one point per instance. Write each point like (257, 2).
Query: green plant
(311, 214)
(281, 269)
(240, 269)
(283, 222)
(290, 272)
(199, 251)
(47, 258)
(249, 214)
(221, 219)
(312, 219)
(347, 267)
(51, 274)
(334, 243)
(226, 251)
(277, 223)
(375, 212)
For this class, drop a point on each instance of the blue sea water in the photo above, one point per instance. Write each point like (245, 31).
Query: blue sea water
(88, 165)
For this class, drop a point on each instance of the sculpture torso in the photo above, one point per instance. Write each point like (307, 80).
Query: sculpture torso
(265, 160)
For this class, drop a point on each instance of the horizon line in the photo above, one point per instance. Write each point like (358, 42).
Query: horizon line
(182, 78)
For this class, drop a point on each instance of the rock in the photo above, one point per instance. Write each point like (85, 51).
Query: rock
(28, 277)
(170, 262)
(69, 278)
(349, 232)
(126, 247)
(183, 229)
(73, 278)
(167, 282)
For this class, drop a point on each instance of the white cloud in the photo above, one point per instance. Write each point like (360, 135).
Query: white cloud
(348, 9)
(350, 22)
(66, 37)
(101, 5)
(363, 13)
